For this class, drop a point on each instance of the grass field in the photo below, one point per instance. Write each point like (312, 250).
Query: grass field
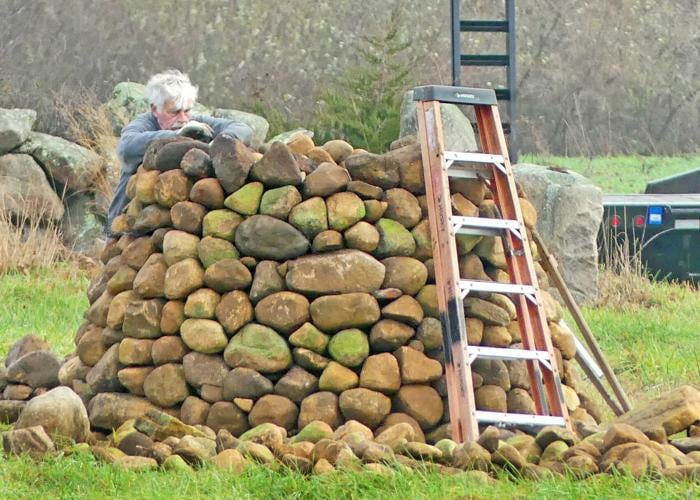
(652, 345)
(620, 174)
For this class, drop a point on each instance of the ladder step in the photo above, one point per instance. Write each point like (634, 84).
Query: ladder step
(494, 417)
(495, 287)
(483, 25)
(505, 354)
(460, 157)
(484, 227)
(484, 59)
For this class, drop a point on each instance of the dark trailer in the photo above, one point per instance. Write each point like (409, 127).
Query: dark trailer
(663, 225)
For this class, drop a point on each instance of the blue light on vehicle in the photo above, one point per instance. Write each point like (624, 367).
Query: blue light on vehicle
(655, 216)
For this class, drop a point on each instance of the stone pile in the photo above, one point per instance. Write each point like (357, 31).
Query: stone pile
(29, 370)
(291, 286)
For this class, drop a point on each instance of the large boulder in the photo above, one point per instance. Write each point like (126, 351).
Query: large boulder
(259, 124)
(569, 211)
(25, 190)
(344, 271)
(457, 130)
(60, 412)
(70, 165)
(15, 126)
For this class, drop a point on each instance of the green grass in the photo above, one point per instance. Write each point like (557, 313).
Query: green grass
(49, 303)
(83, 477)
(652, 349)
(619, 174)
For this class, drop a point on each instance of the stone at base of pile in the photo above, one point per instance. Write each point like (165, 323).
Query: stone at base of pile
(157, 440)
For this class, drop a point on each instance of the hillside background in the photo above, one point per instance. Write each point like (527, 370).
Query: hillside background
(596, 77)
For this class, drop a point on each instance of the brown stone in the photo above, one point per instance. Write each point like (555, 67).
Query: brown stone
(416, 367)
(172, 316)
(225, 415)
(283, 311)
(170, 349)
(135, 351)
(387, 335)
(149, 282)
(232, 161)
(403, 207)
(491, 398)
(336, 312)
(166, 385)
(337, 378)
(421, 402)
(366, 406)
(133, 378)
(208, 193)
(203, 369)
(202, 304)
(183, 278)
(90, 348)
(137, 252)
(405, 309)
(381, 373)
(321, 406)
(234, 311)
(187, 216)
(142, 319)
(275, 409)
(297, 384)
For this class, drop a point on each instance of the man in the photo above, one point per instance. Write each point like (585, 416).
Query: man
(171, 97)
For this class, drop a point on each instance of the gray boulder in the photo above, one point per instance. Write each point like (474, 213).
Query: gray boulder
(259, 124)
(82, 228)
(35, 369)
(569, 211)
(15, 126)
(458, 131)
(60, 412)
(25, 191)
(70, 165)
(33, 441)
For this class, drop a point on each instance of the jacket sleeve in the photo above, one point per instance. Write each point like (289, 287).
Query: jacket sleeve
(135, 138)
(237, 130)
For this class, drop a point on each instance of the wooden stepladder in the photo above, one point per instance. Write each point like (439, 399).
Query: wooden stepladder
(492, 164)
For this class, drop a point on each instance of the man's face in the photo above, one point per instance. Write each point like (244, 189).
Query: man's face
(172, 117)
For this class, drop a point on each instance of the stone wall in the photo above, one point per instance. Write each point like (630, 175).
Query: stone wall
(291, 286)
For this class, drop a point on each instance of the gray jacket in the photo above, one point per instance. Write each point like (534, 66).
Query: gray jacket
(138, 134)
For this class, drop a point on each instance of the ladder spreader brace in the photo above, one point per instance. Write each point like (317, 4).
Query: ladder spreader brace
(492, 165)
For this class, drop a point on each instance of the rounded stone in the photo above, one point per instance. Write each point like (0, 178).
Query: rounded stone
(208, 192)
(202, 304)
(203, 335)
(405, 273)
(310, 216)
(212, 250)
(179, 245)
(258, 347)
(421, 402)
(266, 237)
(283, 311)
(166, 385)
(226, 275)
(234, 311)
(344, 210)
(221, 223)
(280, 201)
(362, 236)
(381, 373)
(349, 347)
(274, 409)
(332, 313)
(321, 406)
(366, 406)
(387, 335)
(183, 278)
(245, 383)
(394, 239)
(337, 378)
(402, 207)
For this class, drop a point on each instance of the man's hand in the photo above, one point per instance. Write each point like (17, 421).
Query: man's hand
(197, 130)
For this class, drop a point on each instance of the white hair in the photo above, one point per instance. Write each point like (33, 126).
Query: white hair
(170, 85)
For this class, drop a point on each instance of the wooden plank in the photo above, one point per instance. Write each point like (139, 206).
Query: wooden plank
(457, 369)
(549, 264)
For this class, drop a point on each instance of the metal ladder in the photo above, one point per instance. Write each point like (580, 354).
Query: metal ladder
(492, 164)
(506, 25)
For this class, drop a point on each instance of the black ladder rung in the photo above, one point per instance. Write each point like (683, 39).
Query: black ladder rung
(481, 226)
(503, 94)
(484, 59)
(494, 417)
(484, 25)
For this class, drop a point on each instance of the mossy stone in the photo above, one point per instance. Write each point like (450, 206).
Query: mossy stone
(310, 217)
(246, 200)
(349, 347)
(279, 202)
(310, 337)
(221, 223)
(394, 239)
(259, 348)
(212, 250)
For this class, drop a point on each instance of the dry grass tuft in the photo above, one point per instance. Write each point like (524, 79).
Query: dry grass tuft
(90, 124)
(624, 283)
(26, 241)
